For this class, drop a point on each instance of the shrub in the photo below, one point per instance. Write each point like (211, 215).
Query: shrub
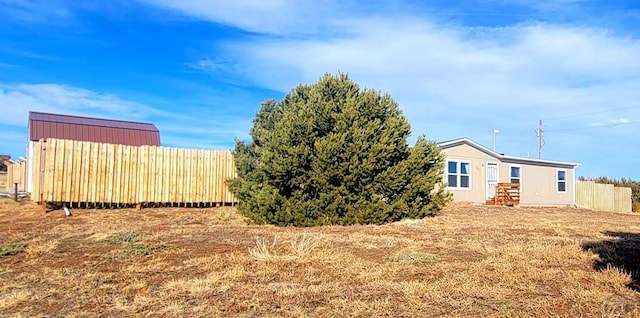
(12, 249)
(127, 237)
(331, 153)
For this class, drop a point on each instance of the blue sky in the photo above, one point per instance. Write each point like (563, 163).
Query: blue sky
(199, 69)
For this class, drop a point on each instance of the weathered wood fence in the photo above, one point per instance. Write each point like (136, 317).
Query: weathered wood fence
(16, 173)
(67, 171)
(605, 197)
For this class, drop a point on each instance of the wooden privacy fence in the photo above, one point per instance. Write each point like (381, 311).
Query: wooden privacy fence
(67, 171)
(605, 197)
(16, 173)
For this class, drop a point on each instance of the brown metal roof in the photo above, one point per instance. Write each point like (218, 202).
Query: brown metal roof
(44, 125)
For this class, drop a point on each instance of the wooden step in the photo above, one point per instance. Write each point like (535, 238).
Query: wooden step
(506, 194)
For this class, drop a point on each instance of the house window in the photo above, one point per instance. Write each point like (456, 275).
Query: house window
(459, 174)
(561, 180)
(514, 174)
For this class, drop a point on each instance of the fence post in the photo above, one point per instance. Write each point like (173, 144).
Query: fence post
(15, 191)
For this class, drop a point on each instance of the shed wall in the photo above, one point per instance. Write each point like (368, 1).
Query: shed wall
(113, 135)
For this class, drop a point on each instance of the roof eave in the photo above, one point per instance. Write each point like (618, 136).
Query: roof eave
(452, 143)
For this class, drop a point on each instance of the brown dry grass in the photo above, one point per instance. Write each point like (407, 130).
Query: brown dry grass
(471, 261)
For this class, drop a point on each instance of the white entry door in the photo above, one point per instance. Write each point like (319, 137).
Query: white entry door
(492, 179)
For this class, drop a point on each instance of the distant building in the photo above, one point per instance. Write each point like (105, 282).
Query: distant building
(4, 162)
(45, 125)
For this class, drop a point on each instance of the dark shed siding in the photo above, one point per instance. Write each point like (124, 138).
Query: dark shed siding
(43, 125)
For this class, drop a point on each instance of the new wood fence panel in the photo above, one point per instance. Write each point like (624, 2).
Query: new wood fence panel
(160, 177)
(143, 173)
(180, 177)
(58, 172)
(133, 178)
(67, 165)
(204, 163)
(171, 168)
(122, 172)
(188, 163)
(153, 173)
(93, 174)
(61, 175)
(161, 193)
(41, 161)
(85, 167)
(219, 178)
(110, 184)
(85, 172)
(623, 201)
(221, 175)
(67, 175)
(134, 182)
(76, 171)
(208, 191)
(203, 174)
(117, 175)
(16, 173)
(124, 178)
(231, 170)
(605, 197)
(38, 153)
(102, 171)
(195, 175)
(53, 161)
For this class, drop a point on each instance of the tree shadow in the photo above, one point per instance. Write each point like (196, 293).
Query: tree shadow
(621, 251)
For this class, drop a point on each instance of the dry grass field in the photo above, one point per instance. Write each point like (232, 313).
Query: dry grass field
(470, 261)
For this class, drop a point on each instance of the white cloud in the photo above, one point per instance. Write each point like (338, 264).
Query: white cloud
(273, 17)
(208, 65)
(547, 69)
(452, 80)
(36, 11)
(195, 129)
(611, 122)
(55, 98)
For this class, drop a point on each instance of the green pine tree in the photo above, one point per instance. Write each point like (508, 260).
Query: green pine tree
(332, 153)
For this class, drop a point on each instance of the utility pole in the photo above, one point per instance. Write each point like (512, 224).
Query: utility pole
(540, 140)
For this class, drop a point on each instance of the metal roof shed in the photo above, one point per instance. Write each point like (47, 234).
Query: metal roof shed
(45, 125)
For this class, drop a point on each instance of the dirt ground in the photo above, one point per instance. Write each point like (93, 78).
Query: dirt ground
(469, 261)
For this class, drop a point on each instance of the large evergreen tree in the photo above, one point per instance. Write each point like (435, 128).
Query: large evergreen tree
(332, 153)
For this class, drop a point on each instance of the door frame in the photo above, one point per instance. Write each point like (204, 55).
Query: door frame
(487, 182)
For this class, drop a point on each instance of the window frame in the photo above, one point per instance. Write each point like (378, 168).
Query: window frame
(558, 181)
(458, 174)
(519, 173)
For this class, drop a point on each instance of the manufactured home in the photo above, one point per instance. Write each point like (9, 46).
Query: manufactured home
(473, 173)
